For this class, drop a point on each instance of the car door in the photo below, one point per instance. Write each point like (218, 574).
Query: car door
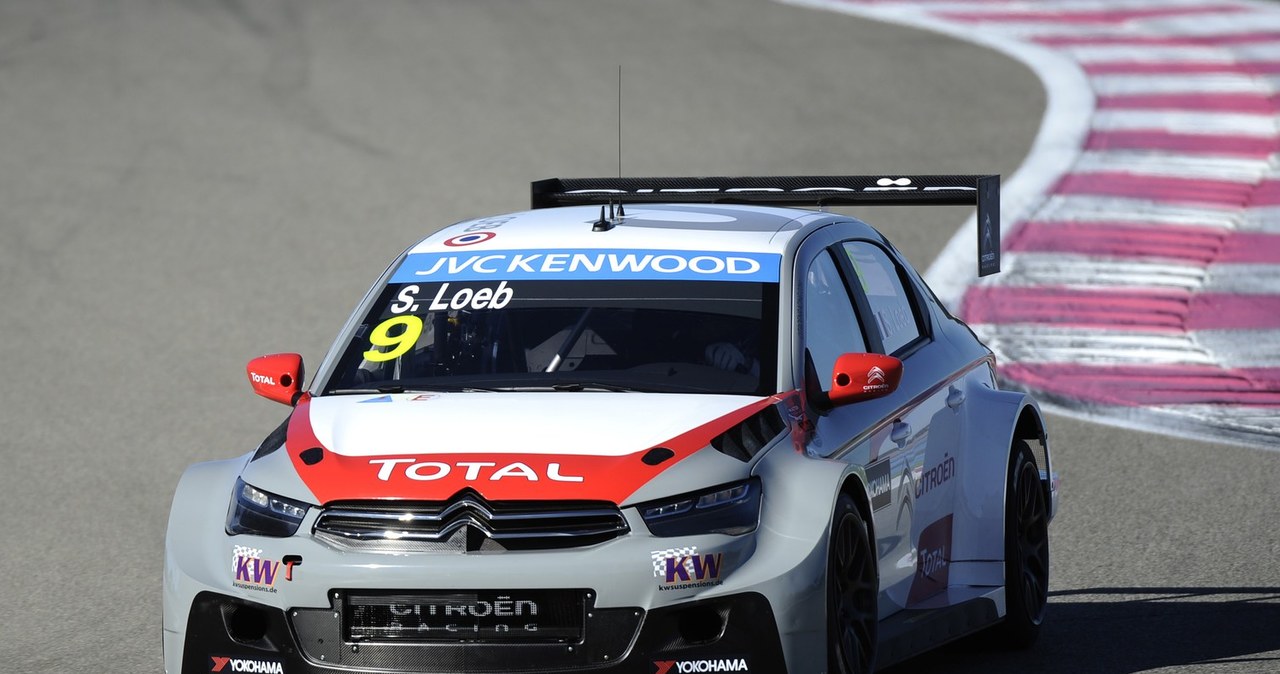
(925, 435)
(856, 297)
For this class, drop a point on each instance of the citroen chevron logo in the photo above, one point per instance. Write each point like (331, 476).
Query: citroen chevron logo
(875, 376)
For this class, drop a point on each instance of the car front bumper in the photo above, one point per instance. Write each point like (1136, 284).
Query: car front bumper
(732, 633)
(233, 605)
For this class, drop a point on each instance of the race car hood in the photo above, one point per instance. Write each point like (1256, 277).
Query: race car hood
(506, 446)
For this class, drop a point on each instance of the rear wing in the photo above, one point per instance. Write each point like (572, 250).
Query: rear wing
(982, 191)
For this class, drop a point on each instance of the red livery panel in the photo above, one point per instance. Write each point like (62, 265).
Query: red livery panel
(496, 476)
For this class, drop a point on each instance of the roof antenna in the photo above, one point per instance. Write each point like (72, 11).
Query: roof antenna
(614, 217)
(603, 225)
(619, 120)
(621, 212)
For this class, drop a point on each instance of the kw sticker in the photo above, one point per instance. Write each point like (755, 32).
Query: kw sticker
(684, 568)
(254, 572)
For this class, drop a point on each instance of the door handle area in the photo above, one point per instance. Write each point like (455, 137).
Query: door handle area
(955, 397)
(901, 431)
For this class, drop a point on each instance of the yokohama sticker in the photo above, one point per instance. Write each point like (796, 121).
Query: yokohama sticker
(879, 485)
(223, 663)
(708, 665)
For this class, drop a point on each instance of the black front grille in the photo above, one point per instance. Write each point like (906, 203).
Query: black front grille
(487, 630)
(466, 616)
(467, 522)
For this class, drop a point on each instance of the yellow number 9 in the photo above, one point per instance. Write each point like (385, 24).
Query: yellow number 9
(381, 337)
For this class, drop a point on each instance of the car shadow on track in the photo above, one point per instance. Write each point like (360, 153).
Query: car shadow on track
(1133, 629)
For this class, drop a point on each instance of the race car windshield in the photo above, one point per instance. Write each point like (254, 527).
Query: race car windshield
(659, 336)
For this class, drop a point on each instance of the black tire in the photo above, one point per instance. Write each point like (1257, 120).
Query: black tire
(853, 585)
(1026, 550)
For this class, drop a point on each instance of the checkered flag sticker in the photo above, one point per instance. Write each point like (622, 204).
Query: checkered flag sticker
(660, 558)
(243, 551)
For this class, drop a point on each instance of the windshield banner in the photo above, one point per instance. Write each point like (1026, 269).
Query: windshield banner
(590, 264)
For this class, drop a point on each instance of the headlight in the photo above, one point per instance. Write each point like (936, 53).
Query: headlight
(254, 511)
(732, 509)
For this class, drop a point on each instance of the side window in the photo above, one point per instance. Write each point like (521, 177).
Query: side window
(892, 309)
(830, 326)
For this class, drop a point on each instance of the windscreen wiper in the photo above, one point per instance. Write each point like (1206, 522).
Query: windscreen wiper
(591, 386)
(412, 388)
(572, 338)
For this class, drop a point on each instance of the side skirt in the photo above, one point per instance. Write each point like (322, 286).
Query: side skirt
(910, 632)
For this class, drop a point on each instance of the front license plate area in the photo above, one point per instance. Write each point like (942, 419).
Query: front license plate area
(461, 616)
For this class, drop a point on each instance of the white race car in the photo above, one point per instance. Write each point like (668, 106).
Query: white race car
(651, 426)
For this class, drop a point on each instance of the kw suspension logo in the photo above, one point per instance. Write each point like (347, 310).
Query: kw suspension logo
(683, 568)
(688, 666)
(252, 572)
(236, 665)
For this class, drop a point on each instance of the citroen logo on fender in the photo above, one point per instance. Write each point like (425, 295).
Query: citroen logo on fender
(426, 471)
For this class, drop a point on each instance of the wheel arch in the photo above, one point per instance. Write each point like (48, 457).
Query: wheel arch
(998, 419)
(194, 561)
(856, 487)
(1031, 428)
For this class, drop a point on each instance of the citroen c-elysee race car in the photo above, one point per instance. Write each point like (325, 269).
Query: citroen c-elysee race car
(652, 426)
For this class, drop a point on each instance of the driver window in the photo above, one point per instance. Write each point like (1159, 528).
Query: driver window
(892, 310)
(830, 326)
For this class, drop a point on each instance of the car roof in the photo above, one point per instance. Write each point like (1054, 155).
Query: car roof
(705, 227)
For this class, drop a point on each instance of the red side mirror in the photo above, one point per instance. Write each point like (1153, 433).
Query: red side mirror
(864, 376)
(276, 377)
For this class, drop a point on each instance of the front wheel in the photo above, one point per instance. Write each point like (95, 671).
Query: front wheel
(852, 587)
(1026, 545)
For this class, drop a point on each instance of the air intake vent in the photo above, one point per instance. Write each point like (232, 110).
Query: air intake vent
(752, 435)
(467, 522)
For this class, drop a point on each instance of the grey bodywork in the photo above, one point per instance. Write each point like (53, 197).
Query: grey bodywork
(784, 560)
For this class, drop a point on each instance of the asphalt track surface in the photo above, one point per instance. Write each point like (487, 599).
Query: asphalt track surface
(186, 185)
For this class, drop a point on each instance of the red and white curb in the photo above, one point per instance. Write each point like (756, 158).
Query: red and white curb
(1141, 281)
